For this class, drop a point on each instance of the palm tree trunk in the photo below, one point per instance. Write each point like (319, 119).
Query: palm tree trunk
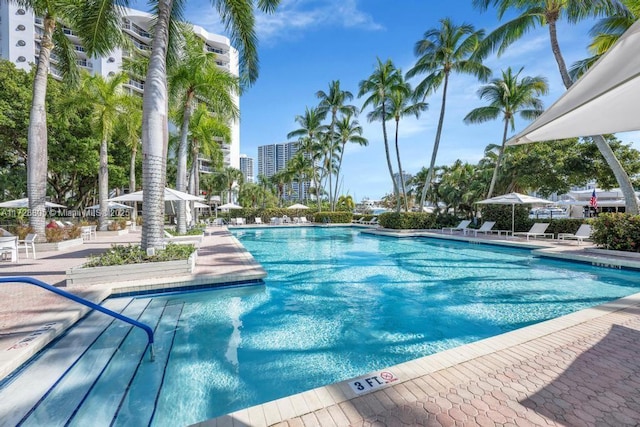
(494, 178)
(37, 154)
(404, 194)
(181, 176)
(330, 165)
(555, 48)
(339, 167)
(132, 185)
(103, 186)
(386, 150)
(155, 132)
(631, 203)
(436, 144)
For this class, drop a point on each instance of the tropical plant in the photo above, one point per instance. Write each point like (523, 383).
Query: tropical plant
(97, 24)
(299, 168)
(196, 78)
(333, 102)
(106, 100)
(348, 130)
(129, 126)
(384, 80)
(238, 18)
(449, 48)
(535, 13)
(507, 97)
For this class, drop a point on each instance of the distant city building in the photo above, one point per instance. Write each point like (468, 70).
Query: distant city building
(246, 167)
(273, 158)
(21, 31)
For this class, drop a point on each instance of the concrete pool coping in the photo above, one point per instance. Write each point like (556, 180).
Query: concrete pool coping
(228, 261)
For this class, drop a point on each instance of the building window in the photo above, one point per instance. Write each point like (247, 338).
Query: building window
(20, 12)
(21, 59)
(21, 43)
(20, 28)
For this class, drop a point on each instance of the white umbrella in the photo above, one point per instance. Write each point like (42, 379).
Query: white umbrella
(111, 205)
(604, 100)
(229, 206)
(514, 199)
(24, 203)
(298, 206)
(170, 195)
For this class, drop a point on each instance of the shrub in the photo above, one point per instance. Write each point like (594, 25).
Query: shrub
(22, 230)
(407, 220)
(196, 231)
(123, 255)
(333, 217)
(502, 215)
(617, 231)
(55, 235)
(73, 232)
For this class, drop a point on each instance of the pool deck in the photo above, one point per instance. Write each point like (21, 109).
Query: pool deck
(580, 369)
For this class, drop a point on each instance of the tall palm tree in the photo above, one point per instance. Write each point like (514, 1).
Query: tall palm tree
(265, 186)
(239, 21)
(536, 13)
(381, 83)
(334, 102)
(508, 96)
(98, 26)
(309, 132)
(300, 168)
(348, 130)
(107, 100)
(231, 176)
(401, 105)
(279, 180)
(196, 78)
(129, 127)
(449, 48)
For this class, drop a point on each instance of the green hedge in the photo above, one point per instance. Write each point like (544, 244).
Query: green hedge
(333, 217)
(250, 214)
(416, 220)
(617, 231)
(501, 214)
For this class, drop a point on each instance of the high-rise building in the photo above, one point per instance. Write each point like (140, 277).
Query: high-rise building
(273, 158)
(246, 167)
(20, 33)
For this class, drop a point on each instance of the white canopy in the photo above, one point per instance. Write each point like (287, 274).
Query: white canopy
(111, 205)
(298, 206)
(229, 206)
(24, 203)
(170, 195)
(604, 100)
(514, 199)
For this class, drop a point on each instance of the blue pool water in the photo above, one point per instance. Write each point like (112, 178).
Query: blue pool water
(337, 304)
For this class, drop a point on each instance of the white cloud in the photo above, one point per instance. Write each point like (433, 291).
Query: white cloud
(295, 15)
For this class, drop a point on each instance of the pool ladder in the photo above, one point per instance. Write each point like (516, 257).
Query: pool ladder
(75, 298)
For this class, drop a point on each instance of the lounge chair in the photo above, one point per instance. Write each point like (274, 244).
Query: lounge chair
(219, 221)
(303, 220)
(29, 242)
(584, 232)
(372, 221)
(357, 221)
(485, 228)
(460, 227)
(537, 229)
(9, 245)
(258, 220)
(85, 232)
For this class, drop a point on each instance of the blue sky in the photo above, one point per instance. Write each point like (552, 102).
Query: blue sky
(308, 43)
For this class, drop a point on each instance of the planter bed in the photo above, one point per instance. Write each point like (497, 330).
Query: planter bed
(57, 246)
(113, 233)
(80, 276)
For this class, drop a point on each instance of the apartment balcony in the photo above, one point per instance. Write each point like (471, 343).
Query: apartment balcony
(136, 84)
(84, 63)
(135, 29)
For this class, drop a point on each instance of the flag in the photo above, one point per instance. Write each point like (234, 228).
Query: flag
(594, 200)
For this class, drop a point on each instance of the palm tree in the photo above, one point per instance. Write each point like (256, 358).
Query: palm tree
(442, 51)
(309, 132)
(534, 13)
(98, 26)
(507, 97)
(334, 102)
(231, 176)
(300, 168)
(106, 99)
(239, 21)
(280, 180)
(380, 84)
(265, 186)
(196, 78)
(400, 105)
(130, 124)
(348, 130)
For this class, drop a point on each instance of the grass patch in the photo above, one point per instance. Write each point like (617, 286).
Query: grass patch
(130, 254)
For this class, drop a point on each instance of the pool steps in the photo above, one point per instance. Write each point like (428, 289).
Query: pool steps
(85, 376)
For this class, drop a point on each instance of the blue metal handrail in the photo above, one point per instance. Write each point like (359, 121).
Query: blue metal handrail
(32, 281)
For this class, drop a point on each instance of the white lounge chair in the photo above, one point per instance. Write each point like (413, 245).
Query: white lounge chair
(9, 245)
(537, 229)
(584, 232)
(485, 228)
(357, 221)
(303, 220)
(85, 232)
(372, 221)
(460, 227)
(258, 220)
(29, 242)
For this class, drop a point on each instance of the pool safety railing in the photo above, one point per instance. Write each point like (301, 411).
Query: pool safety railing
(79, 300)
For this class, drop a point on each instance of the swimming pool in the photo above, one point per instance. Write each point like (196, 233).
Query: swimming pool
(336, 304)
